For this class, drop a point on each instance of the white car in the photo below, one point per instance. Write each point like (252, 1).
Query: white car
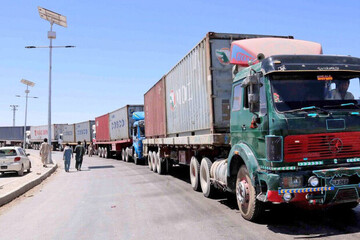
(14, 159)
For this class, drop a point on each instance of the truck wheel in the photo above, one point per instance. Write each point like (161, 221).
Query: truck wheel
(102, 152)
(136, 159)
(123, 155)
(127, 156)
(194, 174)
(207, 188)
(150, 160)
(153, 163)
(106, 153)
(250, 208)
(161, 168)
(99, 152)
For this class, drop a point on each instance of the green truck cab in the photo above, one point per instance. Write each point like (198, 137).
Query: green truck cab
(295, 131)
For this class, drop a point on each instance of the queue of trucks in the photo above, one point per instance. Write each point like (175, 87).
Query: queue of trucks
(262, 117)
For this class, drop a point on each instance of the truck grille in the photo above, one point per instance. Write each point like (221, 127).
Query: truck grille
(321, 146)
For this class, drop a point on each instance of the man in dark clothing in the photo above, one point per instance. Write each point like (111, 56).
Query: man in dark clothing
(79, 153)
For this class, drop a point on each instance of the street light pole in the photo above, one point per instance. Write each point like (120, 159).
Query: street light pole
(31, 84)
(27, 94)
(50, 36)
(60, 20)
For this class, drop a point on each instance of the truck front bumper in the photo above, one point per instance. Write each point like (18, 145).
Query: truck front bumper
(329, 192)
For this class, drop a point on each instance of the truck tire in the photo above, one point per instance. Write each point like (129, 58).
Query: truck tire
(161, 165)
(123, 155)
(150, 160)
(127, 156)
(153, 162)
(207, 188)
(99, 152)
(195, 174)
(106, 153)
(250, 208)
(103, 152)
(136, 159)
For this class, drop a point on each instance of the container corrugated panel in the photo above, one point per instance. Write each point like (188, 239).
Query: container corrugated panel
(69, 133)
(84, 131)
(120, 122)
(11, 133)
(102, 128)
(198, 88)
(187, 93)
(154, 108)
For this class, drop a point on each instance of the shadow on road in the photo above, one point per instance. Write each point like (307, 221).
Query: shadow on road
(100, 167)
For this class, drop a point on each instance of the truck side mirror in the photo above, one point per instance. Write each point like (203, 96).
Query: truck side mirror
(254, 102)
(253, 82)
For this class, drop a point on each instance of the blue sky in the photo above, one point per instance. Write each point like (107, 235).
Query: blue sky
(125, 47)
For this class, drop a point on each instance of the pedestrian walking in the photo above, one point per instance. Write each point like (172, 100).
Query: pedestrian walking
(68, 154)
(90, 149)
(45, 149)
(85, 146)
(79, 154)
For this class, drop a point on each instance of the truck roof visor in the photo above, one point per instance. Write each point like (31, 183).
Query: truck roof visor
(137, 116)
(245, 51)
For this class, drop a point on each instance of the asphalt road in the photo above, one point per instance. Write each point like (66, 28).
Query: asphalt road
(112, 199)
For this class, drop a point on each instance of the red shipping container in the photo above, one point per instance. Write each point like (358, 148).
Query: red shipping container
(154, 108)
(102, 128)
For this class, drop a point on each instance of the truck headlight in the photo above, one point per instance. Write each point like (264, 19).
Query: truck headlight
(292, 181)
(274, 145)
(313, 181)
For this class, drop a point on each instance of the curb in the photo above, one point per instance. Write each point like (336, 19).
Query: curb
(26, 187)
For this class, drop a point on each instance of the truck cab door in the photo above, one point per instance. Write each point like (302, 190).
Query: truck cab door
(241, 127)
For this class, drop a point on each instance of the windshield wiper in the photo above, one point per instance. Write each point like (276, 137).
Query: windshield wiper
(342, 105)
(304, 109)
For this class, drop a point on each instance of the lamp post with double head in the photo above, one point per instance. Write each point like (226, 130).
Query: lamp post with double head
(31, 84)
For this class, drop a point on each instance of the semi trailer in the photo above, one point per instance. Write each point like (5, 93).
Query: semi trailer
(275, 126)
(11, 136)
(38, 133)
(114, 132)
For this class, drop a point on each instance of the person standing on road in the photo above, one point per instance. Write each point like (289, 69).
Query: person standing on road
(44, 152)
(68, 154)
(79, 154)
(85, 146)
(90, 149)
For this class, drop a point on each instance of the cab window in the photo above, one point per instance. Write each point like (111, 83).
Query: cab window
(236, 103)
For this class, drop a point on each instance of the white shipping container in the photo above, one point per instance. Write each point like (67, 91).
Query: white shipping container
(120, 122)
(38, 133)
(69, 133)
(83, 131)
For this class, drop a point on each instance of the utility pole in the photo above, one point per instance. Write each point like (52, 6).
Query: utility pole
(14, 108)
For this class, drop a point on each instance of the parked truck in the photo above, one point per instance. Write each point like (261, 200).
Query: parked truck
(84, 131)
(114, 132)
(38, 133)
(138, 135)
(277, 127)
(68, 134)
(11, 136)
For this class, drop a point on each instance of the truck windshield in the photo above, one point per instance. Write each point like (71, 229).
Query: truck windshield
(330, 91)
